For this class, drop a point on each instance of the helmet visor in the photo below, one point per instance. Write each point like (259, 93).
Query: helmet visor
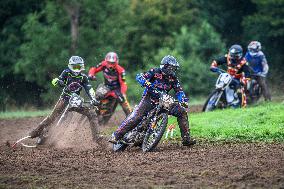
(172, 68)
(236, 56)
(253, 51)
(77, 67)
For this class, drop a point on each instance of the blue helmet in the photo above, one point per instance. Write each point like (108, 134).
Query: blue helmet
(236, 54)
(169, 64)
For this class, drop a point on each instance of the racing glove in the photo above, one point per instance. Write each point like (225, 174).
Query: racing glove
(92, 77)
(148, 84)
(185, 103)
(261, 74)
(56, 81)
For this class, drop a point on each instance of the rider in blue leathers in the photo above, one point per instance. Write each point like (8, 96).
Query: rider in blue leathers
(258, 63)
(162, 79)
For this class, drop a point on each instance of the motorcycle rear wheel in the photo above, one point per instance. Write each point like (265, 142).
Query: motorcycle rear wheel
(154, 135)
(255, 93)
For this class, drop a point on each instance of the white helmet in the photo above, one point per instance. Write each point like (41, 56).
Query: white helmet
(76, 64)
(254, 47)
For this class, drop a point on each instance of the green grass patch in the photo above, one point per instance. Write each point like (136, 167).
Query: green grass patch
(22, 114)
(262, 123)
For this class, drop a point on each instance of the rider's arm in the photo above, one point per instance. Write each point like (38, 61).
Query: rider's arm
(61, 79)
(143, 78)
(88, 88)
(216, 62)
(246, 71)
(94, 70)
(122, 79)
(180, 95)
(247, 75)
(265, 66)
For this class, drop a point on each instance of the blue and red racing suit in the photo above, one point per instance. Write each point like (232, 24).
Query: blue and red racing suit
(161, 82)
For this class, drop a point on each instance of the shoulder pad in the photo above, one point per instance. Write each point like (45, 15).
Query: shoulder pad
(67, 70)
(155, 70)
(103, 63)
(260, 53)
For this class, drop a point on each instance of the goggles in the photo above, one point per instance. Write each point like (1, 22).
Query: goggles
(78, 67)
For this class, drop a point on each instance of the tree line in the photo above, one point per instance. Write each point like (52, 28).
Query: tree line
(39, 36)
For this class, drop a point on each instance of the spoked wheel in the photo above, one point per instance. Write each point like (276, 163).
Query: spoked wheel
(211, 101)
(155, 133)
(256, 93)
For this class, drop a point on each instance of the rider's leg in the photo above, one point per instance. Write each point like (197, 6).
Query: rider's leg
(106, 117)
(264, 87)
(134, 118)
(125, 105)
(182, 117)
(57, 110)
(122, 100)
(93, 120)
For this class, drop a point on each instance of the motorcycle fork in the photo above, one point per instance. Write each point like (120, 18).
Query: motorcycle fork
(153, 122)
(220, 94)
(63, 115)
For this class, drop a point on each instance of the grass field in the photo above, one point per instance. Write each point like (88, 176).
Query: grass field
(264, 122)
(23, 114)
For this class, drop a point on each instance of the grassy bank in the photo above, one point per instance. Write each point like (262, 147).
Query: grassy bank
(23, 114)
(260, 123)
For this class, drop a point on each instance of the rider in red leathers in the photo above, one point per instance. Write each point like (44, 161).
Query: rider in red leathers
(114, 80)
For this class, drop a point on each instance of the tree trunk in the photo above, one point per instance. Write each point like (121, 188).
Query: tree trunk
(73, 9)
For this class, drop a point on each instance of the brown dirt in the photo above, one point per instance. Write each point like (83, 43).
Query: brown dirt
(75, 162)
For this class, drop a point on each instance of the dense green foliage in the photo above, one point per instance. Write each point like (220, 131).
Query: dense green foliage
(37, 40)
(259, 123)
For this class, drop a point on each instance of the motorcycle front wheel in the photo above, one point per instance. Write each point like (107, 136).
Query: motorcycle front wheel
(211, 101)
(155, 132)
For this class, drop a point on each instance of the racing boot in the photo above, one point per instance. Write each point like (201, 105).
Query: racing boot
(113, 139)
(39, 130)
(185, 131)
(187, 141)
(42, 138)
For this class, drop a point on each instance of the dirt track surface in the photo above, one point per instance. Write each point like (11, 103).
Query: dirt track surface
(170, 166)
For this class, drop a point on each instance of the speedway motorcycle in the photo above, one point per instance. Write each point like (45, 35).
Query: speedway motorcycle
(76, 103)
(253, 89)
(224, 95)
(108, 102)
(150, 130)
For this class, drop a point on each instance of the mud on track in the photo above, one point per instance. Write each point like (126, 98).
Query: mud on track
(170, 166)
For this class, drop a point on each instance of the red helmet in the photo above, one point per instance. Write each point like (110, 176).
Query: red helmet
(112, 59)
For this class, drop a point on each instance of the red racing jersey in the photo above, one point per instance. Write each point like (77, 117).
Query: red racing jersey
(114, 76)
